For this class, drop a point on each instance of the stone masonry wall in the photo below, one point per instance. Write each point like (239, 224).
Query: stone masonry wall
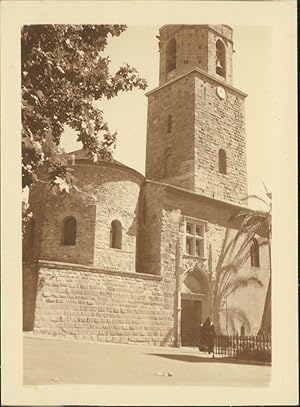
(92, 304)
(202, 124)
(30, 286)
(49, 211)
(171, 239)
(150, 229)
(170, 155)
(191, 50)
(117, 198)
(219, 124)
(195, 47)
(225, 35)
(32, 242)
(56, 210)
(115, 193)
(109, 305)
(246, 302)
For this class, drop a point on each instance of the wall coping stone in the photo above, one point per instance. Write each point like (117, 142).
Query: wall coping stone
(201, 196)
(81, 267)
(207, 26)
(196, 195)
(197, 70)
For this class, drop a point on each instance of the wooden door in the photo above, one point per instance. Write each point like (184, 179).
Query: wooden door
(190, 322)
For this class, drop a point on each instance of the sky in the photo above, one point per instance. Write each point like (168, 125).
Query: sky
(252, 74)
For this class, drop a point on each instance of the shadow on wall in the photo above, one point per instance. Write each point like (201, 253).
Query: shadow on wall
(30, 289)
(235, 318)
(234, 254)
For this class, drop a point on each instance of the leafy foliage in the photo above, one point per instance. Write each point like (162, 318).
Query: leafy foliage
(26, 216)
(254, 221)
(63, 74)
(235, 252)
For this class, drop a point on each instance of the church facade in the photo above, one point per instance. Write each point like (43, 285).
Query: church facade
(150, 257)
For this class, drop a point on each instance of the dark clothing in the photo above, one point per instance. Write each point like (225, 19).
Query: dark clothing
(207, 323)
(211, 333)
(207, 334)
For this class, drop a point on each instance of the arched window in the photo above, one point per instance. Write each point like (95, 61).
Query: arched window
(222, 162)
(69, 231)
(254, 253)
(220, 58)
(242, 330)
(116, 235)
(171, 55)
(169, 124)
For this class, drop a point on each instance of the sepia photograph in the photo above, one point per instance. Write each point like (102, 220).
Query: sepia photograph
(146, 222)
(171, 257)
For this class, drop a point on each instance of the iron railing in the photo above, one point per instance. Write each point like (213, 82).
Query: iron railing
(232, 345)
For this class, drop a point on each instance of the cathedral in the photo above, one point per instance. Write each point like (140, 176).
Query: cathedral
(149, 258)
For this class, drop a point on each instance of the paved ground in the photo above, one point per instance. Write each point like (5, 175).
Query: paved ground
(54, 361)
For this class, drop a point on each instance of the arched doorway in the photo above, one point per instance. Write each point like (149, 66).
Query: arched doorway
(194, 306)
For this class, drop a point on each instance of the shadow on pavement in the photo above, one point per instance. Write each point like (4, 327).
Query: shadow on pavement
(201, 359)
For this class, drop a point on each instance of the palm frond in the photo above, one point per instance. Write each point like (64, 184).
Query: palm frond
(224, 249)
(243, 282)
(235, 241)
(231, 274)
(235, 251)
(269, 194)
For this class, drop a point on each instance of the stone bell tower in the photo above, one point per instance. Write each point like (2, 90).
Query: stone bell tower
(196, 118)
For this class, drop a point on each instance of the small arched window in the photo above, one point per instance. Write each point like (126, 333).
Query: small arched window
(220, 58)
(69, 231)
(242, 330)
(116, 235)
(222, 162)
(169, 124)
(171, 55)
(254, 253)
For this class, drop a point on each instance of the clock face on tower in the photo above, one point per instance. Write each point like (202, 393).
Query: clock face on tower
(221, 92)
